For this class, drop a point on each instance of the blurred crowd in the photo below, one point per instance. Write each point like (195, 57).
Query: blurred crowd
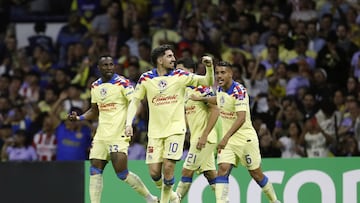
(299, 60)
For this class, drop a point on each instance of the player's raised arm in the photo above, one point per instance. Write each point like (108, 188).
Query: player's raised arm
(208, 79)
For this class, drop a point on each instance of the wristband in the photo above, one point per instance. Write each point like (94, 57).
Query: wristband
(82, 117)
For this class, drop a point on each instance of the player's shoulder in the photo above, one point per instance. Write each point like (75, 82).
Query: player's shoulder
(121, 81)
(96, 83)
(239, 91)
(179, 72)
(146, 76)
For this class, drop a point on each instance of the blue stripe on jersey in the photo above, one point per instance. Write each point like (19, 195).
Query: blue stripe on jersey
(116, 79)
(153, 73)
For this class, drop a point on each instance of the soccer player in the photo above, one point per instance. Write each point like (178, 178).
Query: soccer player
(164, 88)
(240, 142)
(110, 96)
(201, 118)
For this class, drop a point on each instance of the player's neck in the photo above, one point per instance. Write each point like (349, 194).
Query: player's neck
(162, 71)
(227, 86)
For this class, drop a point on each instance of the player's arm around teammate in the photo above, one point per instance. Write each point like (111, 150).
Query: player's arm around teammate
(240, 142)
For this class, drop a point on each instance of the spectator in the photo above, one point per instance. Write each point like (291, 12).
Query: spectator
(40, 38)
(355, 65)
(344, 42)
(319, 85)
(308, 106)
(115, 37)
(30, 89)
(165, 33)
(17, 148)
(347, 125)
(315, 42)
(296, 81)
(138, 35)
(71, 32)
(73, 99)
(86, 9)
(315, 140)
(300, 53)
(73, 139)
(267, 143)
(44, 141)
(102, 22)
(305, 12)
(5, 133)
(4, 84)
(332, 59)
(289, 143)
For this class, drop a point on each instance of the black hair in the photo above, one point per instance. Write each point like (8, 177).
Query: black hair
(103, 56)
(187, 62)
(160, 51)
(224, 63)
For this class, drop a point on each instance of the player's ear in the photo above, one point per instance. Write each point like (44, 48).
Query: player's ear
(159, 60)
(229, 70)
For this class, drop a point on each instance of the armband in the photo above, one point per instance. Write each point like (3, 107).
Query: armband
(82, 117)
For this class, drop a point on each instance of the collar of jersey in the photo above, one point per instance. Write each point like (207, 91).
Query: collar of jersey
(112, 80)
(156, 74)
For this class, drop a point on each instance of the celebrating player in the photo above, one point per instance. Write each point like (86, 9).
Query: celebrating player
(164, 88)
(240, 141)
(110, 96)
(201, 118)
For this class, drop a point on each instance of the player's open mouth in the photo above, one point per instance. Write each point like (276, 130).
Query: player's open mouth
(220, 81)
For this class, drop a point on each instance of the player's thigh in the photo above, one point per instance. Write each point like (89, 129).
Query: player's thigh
(99, 150)
(173, 147)
(119, 161)
(227, 156)
(249, 155)
(118, 150)
(202, 160)
(154, 151)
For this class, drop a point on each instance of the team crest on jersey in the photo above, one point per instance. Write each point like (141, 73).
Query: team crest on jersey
(222, 101)
(103, 92)
(162, 85)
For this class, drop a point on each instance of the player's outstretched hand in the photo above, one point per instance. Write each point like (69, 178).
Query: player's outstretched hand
(207, 61)
(73, 116)
(129, 131)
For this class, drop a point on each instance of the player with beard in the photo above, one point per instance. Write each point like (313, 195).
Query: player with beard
(164, 87)
(240, 142)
